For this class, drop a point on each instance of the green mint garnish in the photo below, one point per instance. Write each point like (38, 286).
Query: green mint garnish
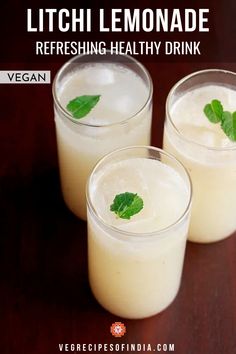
(126, 205)
(82, 105)
(214, 111)
(228, 124)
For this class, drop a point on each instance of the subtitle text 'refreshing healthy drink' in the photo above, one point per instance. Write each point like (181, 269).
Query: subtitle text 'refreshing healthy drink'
(135, 264)
(122, 117)
(205, 150)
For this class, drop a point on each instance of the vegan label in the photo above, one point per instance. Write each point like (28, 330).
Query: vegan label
(25, 77)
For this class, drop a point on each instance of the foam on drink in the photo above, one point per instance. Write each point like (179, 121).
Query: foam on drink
(122, 92)
(189, 118)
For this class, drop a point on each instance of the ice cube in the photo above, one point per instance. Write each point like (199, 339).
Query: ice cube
(100, 76)
(125, 105)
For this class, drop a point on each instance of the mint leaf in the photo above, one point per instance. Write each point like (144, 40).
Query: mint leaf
(234, 125)
(209, 113)
(82, 105)
(228, 124)
(214, 111)
(217, 108)
(126, 205)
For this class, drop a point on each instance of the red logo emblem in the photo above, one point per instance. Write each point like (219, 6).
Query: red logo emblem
(118, 329)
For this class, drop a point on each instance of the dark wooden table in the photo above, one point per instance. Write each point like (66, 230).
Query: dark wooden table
(44, 291)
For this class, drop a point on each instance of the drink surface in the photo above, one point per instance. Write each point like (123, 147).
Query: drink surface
(188, 116)
(162, 189)
(122, 92)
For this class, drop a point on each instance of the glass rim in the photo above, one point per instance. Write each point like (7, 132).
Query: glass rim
(168, 114)
(142, 235)
(124, 121)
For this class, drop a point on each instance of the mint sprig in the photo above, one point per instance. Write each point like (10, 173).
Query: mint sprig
(126, 205)
(214, 111)
(82, 105)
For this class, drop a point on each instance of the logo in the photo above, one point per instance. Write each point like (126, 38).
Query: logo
(118, 329)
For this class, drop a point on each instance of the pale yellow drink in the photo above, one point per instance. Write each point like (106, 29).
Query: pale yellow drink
(135, 265)
(122, 117)
(206, 151)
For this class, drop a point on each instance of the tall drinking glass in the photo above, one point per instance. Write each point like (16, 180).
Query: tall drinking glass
(122, 117)
(135, 264)
(205, 150)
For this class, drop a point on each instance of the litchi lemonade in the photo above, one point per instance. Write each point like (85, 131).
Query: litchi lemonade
(135, 264)
(205, 150)
(122, 117)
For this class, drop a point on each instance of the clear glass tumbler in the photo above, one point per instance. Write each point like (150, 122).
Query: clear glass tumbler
(135, 265)
(204, 149)
(122, 117)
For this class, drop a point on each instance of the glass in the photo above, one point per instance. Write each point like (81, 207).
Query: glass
(135, 266)
(211, 163)
(121, 118)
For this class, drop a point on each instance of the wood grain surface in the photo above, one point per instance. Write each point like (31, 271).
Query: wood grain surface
(44, 291)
